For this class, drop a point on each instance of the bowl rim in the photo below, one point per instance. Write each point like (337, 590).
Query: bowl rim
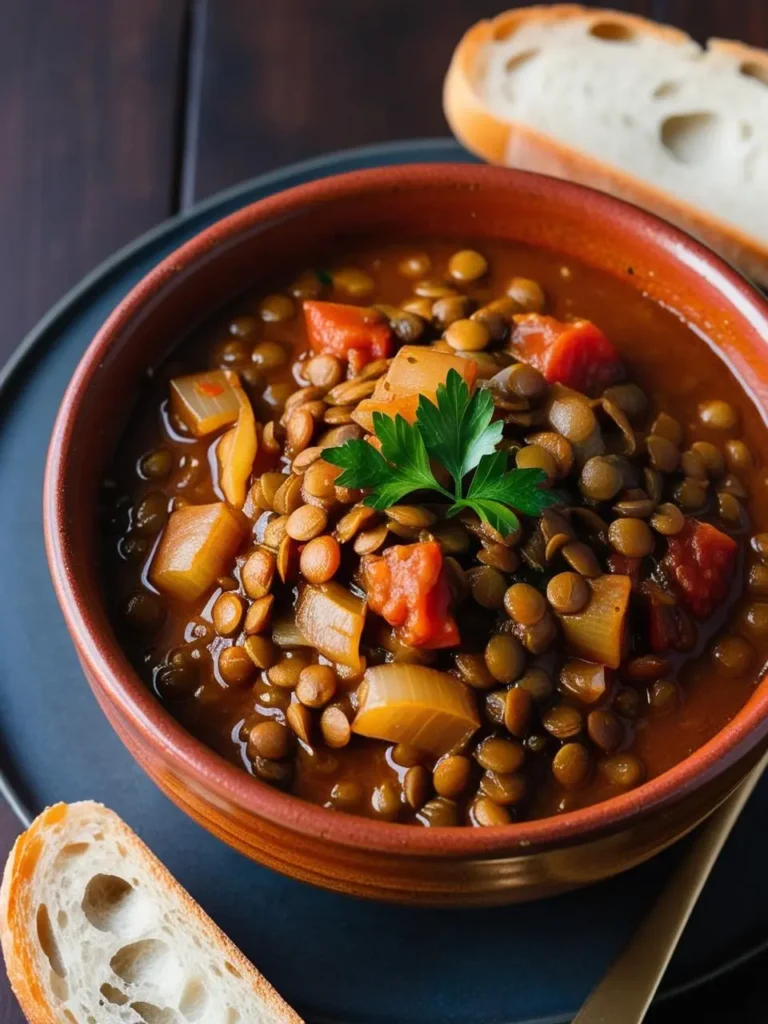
(114, 679)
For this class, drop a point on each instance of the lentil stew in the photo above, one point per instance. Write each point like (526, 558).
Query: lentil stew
(414, 662)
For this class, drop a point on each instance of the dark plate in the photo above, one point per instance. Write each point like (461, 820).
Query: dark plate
(336, 959)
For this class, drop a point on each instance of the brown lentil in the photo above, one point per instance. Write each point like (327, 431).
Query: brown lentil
(571, 765)
(668, 519)
(631, 537)
(497, 754)
(718, 415)
(568, 593)
(235, 666)
(287, 671)
(529, 294)
(474, 671)
(504, 790)
(562, 721)
(269, 739)
(504, 657)
(261, 651)
(485, 812)
(624, 770)
(467, 335)
(452, 775)
(525, 604)
(416, 786)
(227, 614)
(467, 265)
(335, 727)
(605, 729)
(439, 813)
(316, 685)
(733, 655)
(488, 587)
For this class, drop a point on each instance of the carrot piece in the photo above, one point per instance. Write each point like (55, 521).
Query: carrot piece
(408, 587)
(340, 330)
(404, 406)
(577, 355)
(415, 370)
(701, 560)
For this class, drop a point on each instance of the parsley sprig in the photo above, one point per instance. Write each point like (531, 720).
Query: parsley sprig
(457, 432)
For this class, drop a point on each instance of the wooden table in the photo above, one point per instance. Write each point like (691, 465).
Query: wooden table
(115, 114)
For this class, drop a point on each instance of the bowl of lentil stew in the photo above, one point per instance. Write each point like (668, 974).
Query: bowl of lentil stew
(406, 701)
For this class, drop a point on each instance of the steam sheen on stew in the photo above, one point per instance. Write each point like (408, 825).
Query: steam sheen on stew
(414, 662)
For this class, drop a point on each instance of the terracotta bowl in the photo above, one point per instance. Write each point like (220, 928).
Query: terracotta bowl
(355, 855)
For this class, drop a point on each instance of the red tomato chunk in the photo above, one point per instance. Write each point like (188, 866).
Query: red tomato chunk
(347, 331)
(577, 355)
(701, 560)
(408, 587)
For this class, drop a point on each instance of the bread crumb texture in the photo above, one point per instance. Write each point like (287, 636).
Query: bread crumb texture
(113, 938)
(652, 102)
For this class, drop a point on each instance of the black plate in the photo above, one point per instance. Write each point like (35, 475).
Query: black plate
(336, 959)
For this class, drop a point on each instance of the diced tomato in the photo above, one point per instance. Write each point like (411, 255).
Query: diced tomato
(349, 332)
(701, 560)
(623, 565)
(670, 628)
(408, 587)
(577, 355)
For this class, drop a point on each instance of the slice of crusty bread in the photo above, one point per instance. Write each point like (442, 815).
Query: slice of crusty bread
(96, 931)
(620, 103)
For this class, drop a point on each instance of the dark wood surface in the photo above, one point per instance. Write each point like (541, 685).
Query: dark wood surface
(114, 114)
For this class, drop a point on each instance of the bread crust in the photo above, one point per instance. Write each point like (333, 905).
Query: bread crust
(18, 916)
(516, 145)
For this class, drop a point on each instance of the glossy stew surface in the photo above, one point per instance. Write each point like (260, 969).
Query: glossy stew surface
(591, 648)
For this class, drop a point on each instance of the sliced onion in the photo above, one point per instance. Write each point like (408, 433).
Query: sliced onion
(285, 632)
(237, 451)
(332, 619)
(416, 705)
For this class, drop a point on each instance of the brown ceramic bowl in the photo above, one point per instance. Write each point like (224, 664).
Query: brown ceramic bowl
(367, 858)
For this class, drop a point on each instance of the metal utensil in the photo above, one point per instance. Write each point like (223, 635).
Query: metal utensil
(629, 985)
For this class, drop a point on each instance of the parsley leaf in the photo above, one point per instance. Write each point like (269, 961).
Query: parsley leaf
(401, 467)
(495, 491)
(458, 431)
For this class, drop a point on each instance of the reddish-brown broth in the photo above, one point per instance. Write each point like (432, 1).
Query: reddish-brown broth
(675, 368)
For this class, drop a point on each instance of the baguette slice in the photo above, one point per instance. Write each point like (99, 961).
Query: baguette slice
(96, 931)
(628, 106)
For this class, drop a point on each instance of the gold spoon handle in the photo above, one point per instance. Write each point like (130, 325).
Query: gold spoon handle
(629, 985)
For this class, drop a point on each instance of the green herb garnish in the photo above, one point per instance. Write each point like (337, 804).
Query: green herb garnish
(323, 276)
(458, 433)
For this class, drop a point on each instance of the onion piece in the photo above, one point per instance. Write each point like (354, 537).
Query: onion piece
(237, 451)
(285, 632)
(198, 545)
(584, 680)
(205, 402)
(332, 619)
(419, 706)
(599, 632)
